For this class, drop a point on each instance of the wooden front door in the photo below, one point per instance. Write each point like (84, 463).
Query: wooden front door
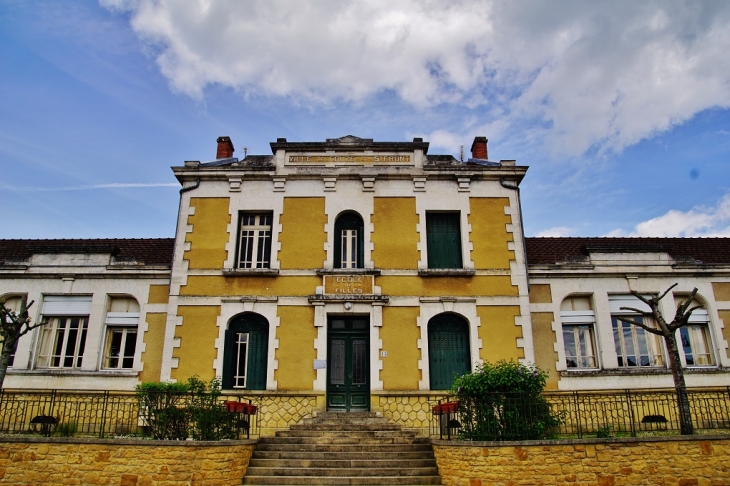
(348, 364)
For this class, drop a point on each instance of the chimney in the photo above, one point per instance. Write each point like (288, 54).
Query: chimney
(225, 148)
(479, 148)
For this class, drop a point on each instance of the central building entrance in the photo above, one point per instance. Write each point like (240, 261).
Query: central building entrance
(348, 364)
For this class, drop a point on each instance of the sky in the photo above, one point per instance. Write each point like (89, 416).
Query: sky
(621, 109)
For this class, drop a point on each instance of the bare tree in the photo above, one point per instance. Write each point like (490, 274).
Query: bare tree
(13, 325)
(668, 331)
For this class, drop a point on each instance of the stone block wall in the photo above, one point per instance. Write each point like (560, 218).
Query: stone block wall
(680, 461)
(62, 462)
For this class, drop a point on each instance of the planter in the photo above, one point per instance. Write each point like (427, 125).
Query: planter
(240, 407)
(443, 408)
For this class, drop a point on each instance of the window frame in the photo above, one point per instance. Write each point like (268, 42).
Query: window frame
(700, 322)
(460, 331)
(638, 335)
(349, 221)
(439, 239)
(48, 342)
(64, 309)
(256, 327)
(259, 243)
(577, 320)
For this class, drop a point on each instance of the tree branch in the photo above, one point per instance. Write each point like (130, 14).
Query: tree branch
(670, 288)
(640, 324)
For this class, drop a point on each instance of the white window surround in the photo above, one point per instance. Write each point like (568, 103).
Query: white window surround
(264, 306)
(465, 308)
(255, 235)
(584, 349)
(121, 327)
(696, 338)
(62, 342)
(635, 348)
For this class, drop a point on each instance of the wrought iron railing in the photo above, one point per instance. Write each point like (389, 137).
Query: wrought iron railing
(101, 413)
(579, 414)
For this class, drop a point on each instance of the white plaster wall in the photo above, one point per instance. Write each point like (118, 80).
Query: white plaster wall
(599, 287)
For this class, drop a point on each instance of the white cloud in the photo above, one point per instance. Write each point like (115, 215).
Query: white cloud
(698, 221)
(557, 231)
(578, 75)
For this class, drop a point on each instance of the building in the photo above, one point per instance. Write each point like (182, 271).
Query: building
(360, 275)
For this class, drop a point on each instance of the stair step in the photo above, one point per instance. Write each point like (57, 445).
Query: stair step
(341, 471)
(342, 481)
(345, 456)
(385, 448)
(338, 463)
(356, 448)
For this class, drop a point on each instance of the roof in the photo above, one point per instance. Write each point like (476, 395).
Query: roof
(149, 251)
(349, 143)
(546, 251)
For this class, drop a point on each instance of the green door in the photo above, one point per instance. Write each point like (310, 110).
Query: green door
(448, 350)
(348, 364)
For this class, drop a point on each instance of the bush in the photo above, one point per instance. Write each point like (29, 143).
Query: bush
(180, 410)
(161, 407)
(209, 419)
(503, 401)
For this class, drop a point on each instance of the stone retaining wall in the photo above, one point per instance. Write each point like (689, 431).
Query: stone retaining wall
(62, 462)
(681, 461)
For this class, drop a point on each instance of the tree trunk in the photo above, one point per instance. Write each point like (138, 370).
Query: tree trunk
(685, 415)
(8, 349)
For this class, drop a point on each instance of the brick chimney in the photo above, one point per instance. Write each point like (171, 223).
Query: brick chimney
(479, 148)
(225, 148)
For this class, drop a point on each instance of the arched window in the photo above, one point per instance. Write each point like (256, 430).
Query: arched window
(348, 241)
(448, 349)
(245, 352)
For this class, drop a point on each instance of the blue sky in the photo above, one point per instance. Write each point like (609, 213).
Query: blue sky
(621, 109)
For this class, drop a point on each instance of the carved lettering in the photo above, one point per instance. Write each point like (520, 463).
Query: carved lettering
(348, 284)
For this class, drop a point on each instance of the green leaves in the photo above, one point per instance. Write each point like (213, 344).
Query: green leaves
(501, 377)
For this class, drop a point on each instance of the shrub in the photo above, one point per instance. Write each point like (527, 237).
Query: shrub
(161, 408)
(503, 401)
(66, 429)
(181, 410)
(209, 419)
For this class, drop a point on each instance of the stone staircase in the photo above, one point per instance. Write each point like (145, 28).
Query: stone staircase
(356, 448)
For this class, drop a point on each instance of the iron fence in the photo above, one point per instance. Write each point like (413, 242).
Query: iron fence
(102, 414)
(579, 414)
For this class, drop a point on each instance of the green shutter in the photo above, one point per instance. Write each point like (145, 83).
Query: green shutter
(228, 360)
(443, 240)
(257, 357)
(448, 350)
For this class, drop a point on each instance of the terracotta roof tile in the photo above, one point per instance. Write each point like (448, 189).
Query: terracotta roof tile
(545, 251)
(150, 251)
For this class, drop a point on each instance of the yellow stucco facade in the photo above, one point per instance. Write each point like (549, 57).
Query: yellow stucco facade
(296, 352)
(395, 236)
(400, 335)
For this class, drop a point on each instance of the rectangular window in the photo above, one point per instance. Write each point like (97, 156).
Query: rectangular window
(239, 378)
(579, 339)
(349, 248)
(696, 341)
(443, 240)
(634, 346)
(120, 344)
(62, 341)
(12, 304)
(122, 320)
(254, 245)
